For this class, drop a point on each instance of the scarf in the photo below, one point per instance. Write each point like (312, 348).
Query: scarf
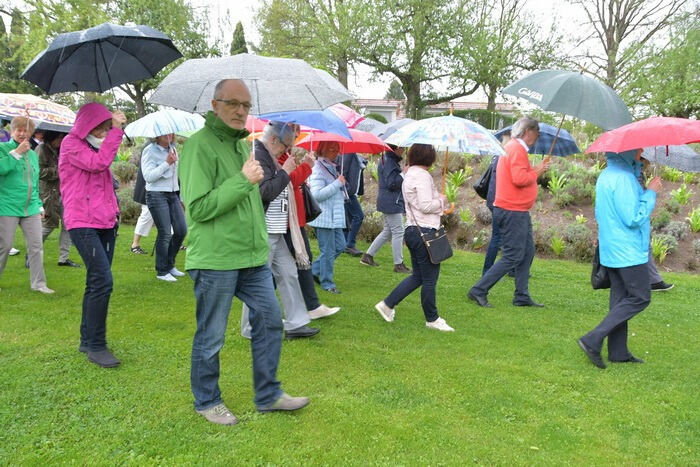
(301, 256)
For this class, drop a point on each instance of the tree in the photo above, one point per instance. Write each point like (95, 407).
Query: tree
(238, 45)
(394, 91)
(668, 82)
(11, 62)
(620, 29)
(507, 43)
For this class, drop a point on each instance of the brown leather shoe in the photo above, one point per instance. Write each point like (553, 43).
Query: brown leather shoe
(368, 260)
(402, 268)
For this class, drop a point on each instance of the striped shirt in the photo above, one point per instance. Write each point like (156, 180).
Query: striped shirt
(277, 215)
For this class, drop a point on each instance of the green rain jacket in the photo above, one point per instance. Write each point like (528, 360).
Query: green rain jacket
(225, 217)
(19, 182)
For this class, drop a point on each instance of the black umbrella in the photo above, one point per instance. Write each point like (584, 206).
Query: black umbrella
(100, 58)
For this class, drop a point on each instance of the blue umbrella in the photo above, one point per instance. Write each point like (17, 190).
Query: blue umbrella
(565, 144)
(164, 122)
(100, 58)
(324, 120)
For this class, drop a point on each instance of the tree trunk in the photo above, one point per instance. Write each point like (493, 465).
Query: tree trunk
(139, 101)
(491, 95)
(343, 71)
(413, 101)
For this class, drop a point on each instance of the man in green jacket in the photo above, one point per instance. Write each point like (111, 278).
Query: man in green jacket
(19, 200)
(227, 254)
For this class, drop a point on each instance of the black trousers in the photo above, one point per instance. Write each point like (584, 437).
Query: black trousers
(518, 249)
(306, 279)
(630, 293)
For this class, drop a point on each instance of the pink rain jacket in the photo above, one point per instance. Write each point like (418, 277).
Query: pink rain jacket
(87, 191)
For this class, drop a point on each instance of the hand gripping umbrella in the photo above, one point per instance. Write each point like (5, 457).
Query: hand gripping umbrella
(100, 58)
(572, 93)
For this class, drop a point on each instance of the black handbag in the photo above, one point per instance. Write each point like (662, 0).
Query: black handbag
(311, 207)
(599, 275)
(435, 241)
(482, 185)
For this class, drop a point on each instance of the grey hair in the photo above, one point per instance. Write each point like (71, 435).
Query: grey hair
(268, 133)
(22, 121)
(524, 124)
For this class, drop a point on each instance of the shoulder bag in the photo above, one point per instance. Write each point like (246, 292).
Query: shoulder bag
(435, 241)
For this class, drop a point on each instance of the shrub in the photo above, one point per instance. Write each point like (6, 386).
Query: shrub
(542, 238)
(672, 205)
(466, 216)
(124, 155)
(659, 249)
(463, 234)
(556, 184)
(480, 240)
(451, 191)
(581, 219)
(682, 194)
(563, 199)
(669, 240)
(579, 191)
(124, 171)
(678, 229)
(579, 242)
(455, 161)
(458, 178)
(671, 174)
(129, 209)
(694, 219)
(483, 214)
(373, 170)
(696, 246)
(690, 178)
(371, 226)
(484, 164)
(377, 117)
(661, 219)
(556, 243)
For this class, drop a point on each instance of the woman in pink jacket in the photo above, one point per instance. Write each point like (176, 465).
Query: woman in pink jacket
(90, 213)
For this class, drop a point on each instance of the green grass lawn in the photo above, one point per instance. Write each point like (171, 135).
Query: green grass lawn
(510, 386)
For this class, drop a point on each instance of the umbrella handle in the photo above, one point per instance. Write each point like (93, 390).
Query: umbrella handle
(449, 210)
(556, 135)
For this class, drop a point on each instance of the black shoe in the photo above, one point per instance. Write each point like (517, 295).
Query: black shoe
(661, 287)
(138, 250)
(300, 332)
(333, 290)
(353, 251)
(368, 260)
(317, 280)
(530, 303)
(69, 264)
(592, 355)
(632, 359)
(481, 301)
(401, 268)
(103, 358)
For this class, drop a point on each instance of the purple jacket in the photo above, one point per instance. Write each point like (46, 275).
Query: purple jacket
(87, 192)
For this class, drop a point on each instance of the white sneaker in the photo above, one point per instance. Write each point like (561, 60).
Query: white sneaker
(386, 312)
(439, 324)
(322, 311)
(176, 273)
(44, 289)
(167, 278)
(14, 251)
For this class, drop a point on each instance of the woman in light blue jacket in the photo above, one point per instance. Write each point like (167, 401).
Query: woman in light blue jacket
(622, 211)
(328, 188)
(159, 166)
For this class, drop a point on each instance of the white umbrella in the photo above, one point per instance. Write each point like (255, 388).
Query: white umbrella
(164, 122)
(275, 84)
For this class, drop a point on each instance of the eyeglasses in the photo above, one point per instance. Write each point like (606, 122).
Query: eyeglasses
(235, 105)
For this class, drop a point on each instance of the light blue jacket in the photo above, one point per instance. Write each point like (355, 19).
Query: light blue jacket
(329, 194)
(158, 174)
(622, 210)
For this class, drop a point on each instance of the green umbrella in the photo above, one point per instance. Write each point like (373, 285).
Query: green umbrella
(573, 93)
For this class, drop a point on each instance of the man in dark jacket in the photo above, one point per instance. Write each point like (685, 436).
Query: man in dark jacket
(352, 166)
(390, 204)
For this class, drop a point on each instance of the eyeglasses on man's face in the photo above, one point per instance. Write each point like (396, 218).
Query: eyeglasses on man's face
(234, 104)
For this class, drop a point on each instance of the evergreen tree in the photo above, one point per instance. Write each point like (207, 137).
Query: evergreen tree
(395, 91)
(238, 46)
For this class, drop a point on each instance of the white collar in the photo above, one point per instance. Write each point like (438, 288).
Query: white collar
(522, 143)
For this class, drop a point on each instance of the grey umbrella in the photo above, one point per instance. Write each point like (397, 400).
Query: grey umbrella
(99, 58)
(573, 93)
(369, 124)
(681, 157)
(390, 128)
(275, 84)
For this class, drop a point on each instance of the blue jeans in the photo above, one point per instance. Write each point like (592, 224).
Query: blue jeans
(355, 216)
(96, 248)
(169, 218)
(494, 246)
(214, 292)
(331, 243)
(424, 275)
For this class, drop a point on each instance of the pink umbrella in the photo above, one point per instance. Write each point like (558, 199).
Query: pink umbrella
(361, 141)
(346, 114)
(654, 131)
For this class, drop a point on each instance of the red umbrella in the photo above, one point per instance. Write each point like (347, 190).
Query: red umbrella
(361, 141)
(654, 131)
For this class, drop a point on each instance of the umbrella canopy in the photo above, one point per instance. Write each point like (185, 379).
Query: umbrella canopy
(573, 93)
(369, 124)
(46, 114)
(564, 145)
(100, 58)
(347, 115)
(164, 122)
(450, 133)
(275, 84)
(390, 128)
(680, 157)
(654, 131)
(361, 141)
(323, 120)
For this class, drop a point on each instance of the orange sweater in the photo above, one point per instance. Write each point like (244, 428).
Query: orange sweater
(516, 180)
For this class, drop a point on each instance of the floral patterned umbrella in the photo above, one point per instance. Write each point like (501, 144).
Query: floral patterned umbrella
(46, 114)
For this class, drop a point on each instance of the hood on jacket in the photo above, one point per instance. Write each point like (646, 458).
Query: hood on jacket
(625, 159)
(89, 117)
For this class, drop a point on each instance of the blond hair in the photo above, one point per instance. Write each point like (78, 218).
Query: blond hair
(26, 122)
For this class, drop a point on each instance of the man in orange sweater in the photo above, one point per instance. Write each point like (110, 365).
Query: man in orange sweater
(516, 191)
